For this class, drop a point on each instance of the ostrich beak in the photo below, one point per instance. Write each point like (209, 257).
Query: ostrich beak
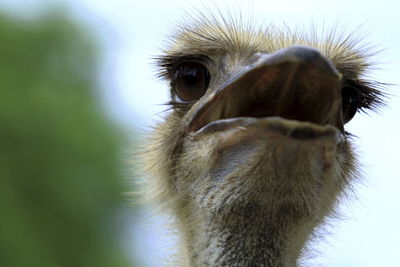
(293, 84)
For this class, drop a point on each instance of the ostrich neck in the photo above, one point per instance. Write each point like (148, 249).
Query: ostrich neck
(248, 208)
(249, 239)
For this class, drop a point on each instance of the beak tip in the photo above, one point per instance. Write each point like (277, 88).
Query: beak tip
(300, 55)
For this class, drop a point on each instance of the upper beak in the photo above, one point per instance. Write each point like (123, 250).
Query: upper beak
(296, 83)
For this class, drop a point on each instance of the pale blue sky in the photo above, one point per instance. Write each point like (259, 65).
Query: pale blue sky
(133, 32)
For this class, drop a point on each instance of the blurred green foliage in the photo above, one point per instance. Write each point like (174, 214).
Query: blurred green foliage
(60, 185)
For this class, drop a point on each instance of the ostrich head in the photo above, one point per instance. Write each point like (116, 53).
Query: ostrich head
(253, 155)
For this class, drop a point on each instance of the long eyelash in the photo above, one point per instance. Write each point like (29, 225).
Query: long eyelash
(164, 65)
(176, 104)
(167, 63)
(170, 105)
(372, 97)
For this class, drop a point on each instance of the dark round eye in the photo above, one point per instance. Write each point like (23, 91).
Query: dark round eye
(191, 81)
(350, 102)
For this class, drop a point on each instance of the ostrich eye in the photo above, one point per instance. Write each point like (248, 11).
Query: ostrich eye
(350, 103)
(191, 81)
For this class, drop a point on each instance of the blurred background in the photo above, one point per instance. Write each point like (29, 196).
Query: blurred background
(77, 92)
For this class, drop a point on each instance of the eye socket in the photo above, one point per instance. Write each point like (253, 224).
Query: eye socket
(350, 102)
(191, 80)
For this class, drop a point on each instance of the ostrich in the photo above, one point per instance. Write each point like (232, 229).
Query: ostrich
(253, 156)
